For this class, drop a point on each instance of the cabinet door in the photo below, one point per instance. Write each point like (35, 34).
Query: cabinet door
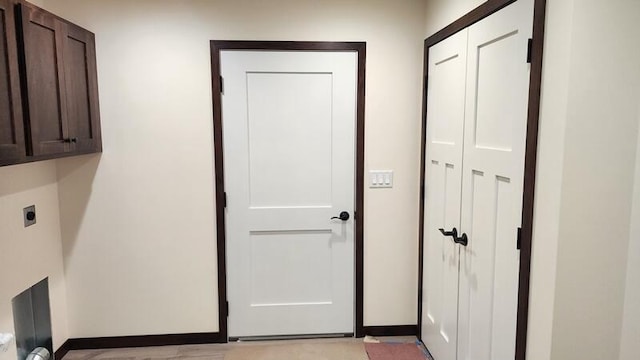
(43, 36)
(82, 89)
(12, 148)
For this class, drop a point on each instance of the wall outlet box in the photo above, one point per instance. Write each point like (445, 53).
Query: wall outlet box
(29, 215)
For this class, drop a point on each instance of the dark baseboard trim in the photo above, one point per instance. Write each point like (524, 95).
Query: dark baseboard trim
(139, 341)
(62, 351)
(392, 330)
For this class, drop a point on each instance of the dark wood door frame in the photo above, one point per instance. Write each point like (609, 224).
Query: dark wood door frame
(479, 13)
(360, 49)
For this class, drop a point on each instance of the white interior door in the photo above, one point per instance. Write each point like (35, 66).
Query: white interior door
(443, 176)
(493, 173)
(289, 145)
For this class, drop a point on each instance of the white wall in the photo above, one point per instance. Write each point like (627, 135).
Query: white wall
(138, 221)
(630, 340)
(28, 255)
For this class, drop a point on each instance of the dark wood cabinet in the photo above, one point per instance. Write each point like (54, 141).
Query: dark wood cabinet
(48, 86)
(60, 85)
(12, 145)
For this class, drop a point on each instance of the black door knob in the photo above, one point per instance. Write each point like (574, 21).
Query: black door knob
(344, 216)
(462, 240)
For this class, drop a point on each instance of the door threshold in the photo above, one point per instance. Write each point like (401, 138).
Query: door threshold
(289, 337)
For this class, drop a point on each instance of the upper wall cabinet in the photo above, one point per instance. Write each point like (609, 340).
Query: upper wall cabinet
(59, 84)
(48, 86)
(12, 146)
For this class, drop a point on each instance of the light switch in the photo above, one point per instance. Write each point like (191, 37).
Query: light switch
(381, 179)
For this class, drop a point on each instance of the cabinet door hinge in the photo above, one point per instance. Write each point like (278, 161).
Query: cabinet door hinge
(224, 200)
(227, 309)
(519, 240)
(529, 50)
(221, 85)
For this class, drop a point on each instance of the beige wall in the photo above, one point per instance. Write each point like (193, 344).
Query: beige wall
(630, 341)
(28, 255)
(440, 13)
(549, 173)
(138, 221)
(597, 190)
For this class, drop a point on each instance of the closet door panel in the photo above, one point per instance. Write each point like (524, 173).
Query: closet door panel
(493, 173)
(443, 172)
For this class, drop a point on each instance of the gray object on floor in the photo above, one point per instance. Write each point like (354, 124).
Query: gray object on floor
(39, 353)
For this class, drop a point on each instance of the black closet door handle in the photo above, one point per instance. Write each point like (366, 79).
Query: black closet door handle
(453, 233)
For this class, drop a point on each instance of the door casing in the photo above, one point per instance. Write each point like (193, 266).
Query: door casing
(537, 44)
(220, 198)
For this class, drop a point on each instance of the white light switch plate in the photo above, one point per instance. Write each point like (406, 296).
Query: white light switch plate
(380, 179)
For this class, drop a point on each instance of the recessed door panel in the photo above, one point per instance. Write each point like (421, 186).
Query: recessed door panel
(7, 135)
(81, 89)
(301, 276)
(47, 106)
(290, 121)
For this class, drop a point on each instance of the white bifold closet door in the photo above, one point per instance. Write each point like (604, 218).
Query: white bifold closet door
(470, 292)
